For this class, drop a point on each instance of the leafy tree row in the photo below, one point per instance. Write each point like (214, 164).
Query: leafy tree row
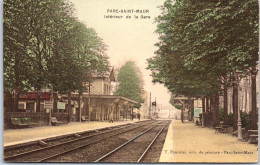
(202, 47)
(45, 46)
(130, 82)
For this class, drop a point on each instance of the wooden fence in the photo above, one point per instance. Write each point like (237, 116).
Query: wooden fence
(42, 119)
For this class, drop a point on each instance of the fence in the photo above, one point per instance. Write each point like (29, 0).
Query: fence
(40, 118)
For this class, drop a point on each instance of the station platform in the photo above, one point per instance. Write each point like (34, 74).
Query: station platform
(17, 136)
(187, 143)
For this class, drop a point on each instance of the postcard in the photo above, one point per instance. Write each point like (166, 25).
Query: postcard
(130, 81)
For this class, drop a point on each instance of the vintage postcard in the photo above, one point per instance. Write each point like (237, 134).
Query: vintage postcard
(130, 81)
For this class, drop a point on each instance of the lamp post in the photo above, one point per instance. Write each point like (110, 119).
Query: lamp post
(239, 123)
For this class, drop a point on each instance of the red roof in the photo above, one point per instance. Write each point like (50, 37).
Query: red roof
(32, 95)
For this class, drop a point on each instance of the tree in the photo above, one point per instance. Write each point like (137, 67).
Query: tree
(129, 83)
(45, 46)
(200, 44)
(16, 42)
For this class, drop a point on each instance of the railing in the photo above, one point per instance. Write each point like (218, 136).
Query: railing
(40, 118)
(64, 117)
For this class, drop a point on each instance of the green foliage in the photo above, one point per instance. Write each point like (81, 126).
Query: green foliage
(245, 118)
(129, 83)
(202, 42)
(177, 106)
(172, 99)
(45, 46)
(230, 118)
(221, 113)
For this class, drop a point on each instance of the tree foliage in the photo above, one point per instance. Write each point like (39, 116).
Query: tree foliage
(202, 42)
(45, 46)
(129, 83)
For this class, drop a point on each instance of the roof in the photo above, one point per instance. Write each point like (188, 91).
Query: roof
(33, 95)
(112, 97)
(110, 74)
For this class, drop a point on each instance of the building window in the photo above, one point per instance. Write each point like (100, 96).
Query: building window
(30, 107)
(22, 105)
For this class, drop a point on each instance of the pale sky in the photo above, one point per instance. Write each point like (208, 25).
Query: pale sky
(127, 39)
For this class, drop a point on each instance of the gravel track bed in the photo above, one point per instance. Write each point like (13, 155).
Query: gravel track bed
(26, 148)
(17, 150)
(154, 153)
(132, 151)
(94, 151)
(35, 156)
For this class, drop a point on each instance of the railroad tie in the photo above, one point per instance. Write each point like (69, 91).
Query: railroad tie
(42, 143)
(76, 135)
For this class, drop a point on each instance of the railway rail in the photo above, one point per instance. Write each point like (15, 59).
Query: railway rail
(55, 150)
(140, 149)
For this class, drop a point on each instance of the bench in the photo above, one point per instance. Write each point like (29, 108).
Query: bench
(17, 123)
(198, 123)
(253, 136)
(83, 118)
(55, 122)
(28, 121)
(221, 127)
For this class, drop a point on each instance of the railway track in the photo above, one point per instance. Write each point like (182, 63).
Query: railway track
(135, 149)
(55, 150)
(133, 146)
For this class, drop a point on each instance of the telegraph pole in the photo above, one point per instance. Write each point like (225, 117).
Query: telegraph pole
(89, 101)
(155, 106)
(150, 106)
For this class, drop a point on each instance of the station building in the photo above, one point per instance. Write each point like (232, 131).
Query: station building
(97, 105)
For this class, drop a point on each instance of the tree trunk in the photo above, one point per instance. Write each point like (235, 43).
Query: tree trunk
(190, 108)
(235, 100)
(16, 100)
(55, 100)
(203, 104)
(225, 100)
(182, 112)
(254, 102)
(79, 103)
(212, 103)
(8, 102)
(207, 104)
(216, 108)
(69, 106)
(38, 101)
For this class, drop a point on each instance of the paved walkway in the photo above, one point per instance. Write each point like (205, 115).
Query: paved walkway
(193, 144)
(16, 136)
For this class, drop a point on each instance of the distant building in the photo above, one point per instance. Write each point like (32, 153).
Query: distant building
(98, 105)
(101, 83)
(144, 110)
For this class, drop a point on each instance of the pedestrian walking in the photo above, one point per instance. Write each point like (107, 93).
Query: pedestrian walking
(138, 116)
(111, 115)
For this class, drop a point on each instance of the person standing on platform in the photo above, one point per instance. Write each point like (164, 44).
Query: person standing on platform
(138, 116)
(111, 115)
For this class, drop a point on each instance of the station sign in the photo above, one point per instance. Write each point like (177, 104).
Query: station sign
(60, 105)
(48, 104)
(197, 112)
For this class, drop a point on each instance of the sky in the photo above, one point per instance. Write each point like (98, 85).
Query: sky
(127, 38)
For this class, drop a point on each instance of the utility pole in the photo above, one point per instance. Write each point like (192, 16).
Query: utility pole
(155, 105)
(150, 106)
(89, 101)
